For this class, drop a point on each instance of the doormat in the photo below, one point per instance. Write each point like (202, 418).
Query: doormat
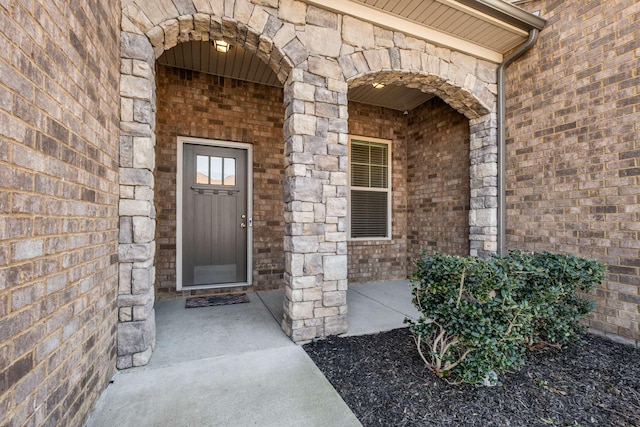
(217, 300)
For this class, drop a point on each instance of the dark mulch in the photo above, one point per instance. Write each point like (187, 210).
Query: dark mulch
(385, 383)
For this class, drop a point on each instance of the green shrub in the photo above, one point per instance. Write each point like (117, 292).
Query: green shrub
(479, 315)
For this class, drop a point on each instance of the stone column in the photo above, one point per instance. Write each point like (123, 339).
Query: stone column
(315, 196)
(483, 215)
(136, 327)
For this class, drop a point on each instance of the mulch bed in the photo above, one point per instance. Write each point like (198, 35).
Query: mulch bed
(385, 383)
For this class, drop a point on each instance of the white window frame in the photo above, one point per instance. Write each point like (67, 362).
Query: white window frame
(388, 190)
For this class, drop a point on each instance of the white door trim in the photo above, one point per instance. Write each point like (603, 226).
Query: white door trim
(182, 140)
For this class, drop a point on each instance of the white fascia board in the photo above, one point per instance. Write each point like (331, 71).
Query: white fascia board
(397, 23)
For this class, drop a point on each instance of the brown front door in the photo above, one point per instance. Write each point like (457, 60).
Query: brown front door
(214, 215)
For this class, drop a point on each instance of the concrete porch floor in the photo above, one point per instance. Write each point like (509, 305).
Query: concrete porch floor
(234, 366)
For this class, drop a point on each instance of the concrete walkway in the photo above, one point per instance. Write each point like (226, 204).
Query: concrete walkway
(233, 366)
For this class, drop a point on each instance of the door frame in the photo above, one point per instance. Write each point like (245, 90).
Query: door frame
(182, 140)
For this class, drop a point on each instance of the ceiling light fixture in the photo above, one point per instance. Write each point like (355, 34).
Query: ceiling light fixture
(377, 85)
(221, 46)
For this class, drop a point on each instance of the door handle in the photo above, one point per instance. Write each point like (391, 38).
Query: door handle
(243, 225)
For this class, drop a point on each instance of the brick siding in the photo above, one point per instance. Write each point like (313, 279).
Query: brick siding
(572, 148)
(376, 260)
(430, 148)
(206, 106)
(439, 183)
(59, 117)
(226, 109)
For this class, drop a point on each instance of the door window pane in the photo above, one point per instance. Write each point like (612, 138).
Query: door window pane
(202, 169)
(229, 171)
(216, 170)
(211, 170)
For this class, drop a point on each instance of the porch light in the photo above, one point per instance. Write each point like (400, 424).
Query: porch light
(221, 46)
(378, 85)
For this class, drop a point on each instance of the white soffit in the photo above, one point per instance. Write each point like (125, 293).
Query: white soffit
(237, 63)
(445, 23)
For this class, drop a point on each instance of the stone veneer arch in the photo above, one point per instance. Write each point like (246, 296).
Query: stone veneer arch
(315, 53)
(468, 86)
(149, 28)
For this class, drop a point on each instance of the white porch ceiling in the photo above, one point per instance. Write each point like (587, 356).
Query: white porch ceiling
(483, 28)
(242, 65)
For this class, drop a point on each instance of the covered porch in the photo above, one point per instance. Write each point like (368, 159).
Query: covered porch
(234, 365)
(413, 100)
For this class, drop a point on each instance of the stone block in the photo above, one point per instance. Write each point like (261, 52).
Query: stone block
(242, 11)
(126, 109)
(125, 234)
(302, 189)
(135, 176)
(303, 335)
(144, 193)
(129, 207)
(304, 282)
(141, 280)
(304, 244)
(141, 312)
(357, 33)
(321, 18)
(292, 11)
(142, 358)
(144, 229)
(136, 252)
(142, 111)
(313, 264)
(302, 91)
(135, 87)
(124, 278)
(136, 337)
(336, 325)
(378, 59)
(325, 67)
(335, 267)
(136, 17)
(322, 41)
(294, 263)
(258, 20)
(143, 153)
(336, 207)
(312, 294)
(171, 30)
(124, 362)
(326, 163)
(301, 310)
(321, 312)
(135, 46)
(334, 299)
(285, 34)
(139, 300)
(301, 124)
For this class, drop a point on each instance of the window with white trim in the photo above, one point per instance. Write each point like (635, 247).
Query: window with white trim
(369, 188)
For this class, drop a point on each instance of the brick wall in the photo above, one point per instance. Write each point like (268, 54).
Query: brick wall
(59, 116)
(439, 184)
(205, 106)
(382, 259)
(572, 148)
(430, 149)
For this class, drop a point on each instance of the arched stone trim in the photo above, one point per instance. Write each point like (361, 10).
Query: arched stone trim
(464, 90)
(457, 80)
(149, 27)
